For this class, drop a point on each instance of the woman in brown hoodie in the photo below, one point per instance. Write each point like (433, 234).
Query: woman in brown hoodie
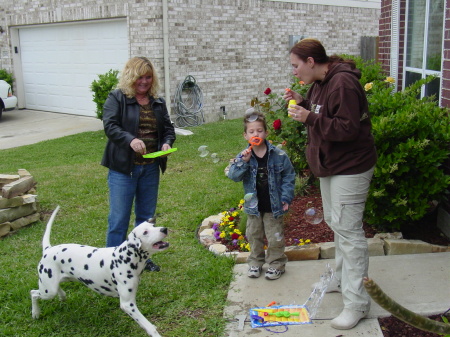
(341, 152)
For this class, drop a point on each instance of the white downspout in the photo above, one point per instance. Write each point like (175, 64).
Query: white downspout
(166, 55)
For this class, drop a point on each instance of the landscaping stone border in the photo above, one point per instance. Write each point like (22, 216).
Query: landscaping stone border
(381, 244)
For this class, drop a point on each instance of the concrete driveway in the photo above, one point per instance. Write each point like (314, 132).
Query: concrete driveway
(24, 127)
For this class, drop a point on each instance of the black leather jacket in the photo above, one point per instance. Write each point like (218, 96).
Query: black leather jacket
(121, 122)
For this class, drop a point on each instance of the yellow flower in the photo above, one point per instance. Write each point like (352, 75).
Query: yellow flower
(222, 235)
(237, 231)
(235, 214)
(368, 86)
(390, 80)
(308, 241)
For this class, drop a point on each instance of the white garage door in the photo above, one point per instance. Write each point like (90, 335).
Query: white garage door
(59, 63)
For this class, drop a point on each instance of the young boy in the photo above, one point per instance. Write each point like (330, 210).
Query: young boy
(266, 172)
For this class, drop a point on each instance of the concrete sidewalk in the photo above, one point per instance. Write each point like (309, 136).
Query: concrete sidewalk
(419, 282)
(24, 127)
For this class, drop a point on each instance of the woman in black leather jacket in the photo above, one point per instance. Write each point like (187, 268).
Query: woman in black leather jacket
(136, 122)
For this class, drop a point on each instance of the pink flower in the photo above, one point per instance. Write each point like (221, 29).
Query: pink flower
(267, 91)
(277, 124)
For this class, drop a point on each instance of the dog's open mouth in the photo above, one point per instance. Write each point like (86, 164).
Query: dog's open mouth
(160, 245)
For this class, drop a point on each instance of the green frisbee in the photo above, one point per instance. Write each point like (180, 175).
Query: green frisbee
(159, 153)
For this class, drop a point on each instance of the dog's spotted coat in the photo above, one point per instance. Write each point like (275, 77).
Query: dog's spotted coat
(113, 271)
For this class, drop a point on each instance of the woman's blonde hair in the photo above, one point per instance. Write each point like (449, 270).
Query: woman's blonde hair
(135, 68)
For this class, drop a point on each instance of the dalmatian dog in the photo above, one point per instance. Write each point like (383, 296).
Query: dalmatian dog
(113, 271)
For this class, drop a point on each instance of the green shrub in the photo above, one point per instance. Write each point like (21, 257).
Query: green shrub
(102, 87)
(412, 137)
(370, 71)
(6, 76)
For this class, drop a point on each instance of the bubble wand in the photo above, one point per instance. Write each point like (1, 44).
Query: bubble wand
(252, 141)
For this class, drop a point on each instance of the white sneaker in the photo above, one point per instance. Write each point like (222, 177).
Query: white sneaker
(254, 272)
(273, 273)
(347, 319)
(333, 287)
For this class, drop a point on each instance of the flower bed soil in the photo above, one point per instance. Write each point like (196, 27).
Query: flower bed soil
(296, 226)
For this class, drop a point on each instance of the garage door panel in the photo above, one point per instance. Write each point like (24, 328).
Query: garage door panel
(60, 62)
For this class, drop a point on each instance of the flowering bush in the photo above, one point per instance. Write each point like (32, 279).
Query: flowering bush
(412, 137)
(284, 131)
(228, 232)
(302, 242)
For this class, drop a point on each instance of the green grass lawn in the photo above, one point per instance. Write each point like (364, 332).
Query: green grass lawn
(185, 299)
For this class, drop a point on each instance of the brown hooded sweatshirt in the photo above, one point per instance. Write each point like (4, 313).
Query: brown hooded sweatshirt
(339, 137)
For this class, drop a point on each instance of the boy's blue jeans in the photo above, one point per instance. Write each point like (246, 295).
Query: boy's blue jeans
(142, 187)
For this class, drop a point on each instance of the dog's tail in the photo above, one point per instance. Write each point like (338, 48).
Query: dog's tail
(46, 239)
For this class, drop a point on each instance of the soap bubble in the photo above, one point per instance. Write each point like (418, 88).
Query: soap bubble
(203, 149)
(313, 215)
(239, 162)
(278, 236)
(215, 158)
(251, 200)
(250, 115)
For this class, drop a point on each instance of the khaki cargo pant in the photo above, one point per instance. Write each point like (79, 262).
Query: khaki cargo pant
(344, 198)
(266, 225)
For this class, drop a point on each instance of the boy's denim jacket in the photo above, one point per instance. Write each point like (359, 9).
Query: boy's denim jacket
(281, 176)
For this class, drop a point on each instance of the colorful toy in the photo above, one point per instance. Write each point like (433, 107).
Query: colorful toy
(279, 315)
(159, 153)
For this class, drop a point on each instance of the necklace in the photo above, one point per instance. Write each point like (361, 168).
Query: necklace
(141, 100)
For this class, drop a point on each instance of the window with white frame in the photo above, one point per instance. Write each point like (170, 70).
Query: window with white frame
(424, 40)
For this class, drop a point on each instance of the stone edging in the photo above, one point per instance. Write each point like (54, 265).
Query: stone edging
(380, 245)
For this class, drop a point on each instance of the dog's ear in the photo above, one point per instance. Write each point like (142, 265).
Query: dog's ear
(134, 241)
(152, 220)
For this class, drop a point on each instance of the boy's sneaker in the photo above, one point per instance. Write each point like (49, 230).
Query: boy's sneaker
(273, 273)
(254, 272)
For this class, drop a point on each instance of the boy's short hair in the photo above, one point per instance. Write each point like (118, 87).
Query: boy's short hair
(252, 115)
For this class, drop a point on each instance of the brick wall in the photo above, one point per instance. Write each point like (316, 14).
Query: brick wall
(384, 50)
(385, 45)
(234, 48)
(446, 65)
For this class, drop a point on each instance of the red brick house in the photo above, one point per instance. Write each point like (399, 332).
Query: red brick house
(414, 41)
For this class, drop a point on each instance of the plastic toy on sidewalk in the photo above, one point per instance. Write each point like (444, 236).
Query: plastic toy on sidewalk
(316, 296)
(279, 315)
(272, 315)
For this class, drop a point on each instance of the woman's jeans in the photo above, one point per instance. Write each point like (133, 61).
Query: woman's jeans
(142, 187)
(344, 198)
